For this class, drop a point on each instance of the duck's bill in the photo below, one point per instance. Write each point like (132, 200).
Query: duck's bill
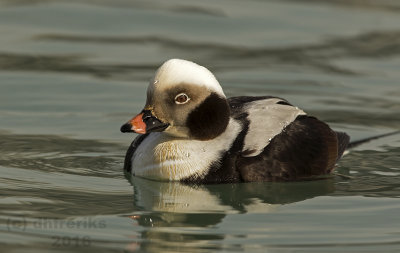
(144, 122)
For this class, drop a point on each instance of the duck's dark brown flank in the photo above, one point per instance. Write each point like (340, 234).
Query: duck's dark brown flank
(209, 119)
(307, 148)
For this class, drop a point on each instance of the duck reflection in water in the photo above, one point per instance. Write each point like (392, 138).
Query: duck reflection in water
(172, 205)
(179, 204)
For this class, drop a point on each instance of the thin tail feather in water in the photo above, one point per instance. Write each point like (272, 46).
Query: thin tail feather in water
(362, 141)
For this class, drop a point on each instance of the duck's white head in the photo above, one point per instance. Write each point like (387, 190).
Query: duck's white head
(184, 99)
(176, 71)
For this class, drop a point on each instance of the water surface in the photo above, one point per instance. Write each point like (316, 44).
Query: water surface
(72, 72)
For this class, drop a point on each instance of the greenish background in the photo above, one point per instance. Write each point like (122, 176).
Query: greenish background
(72, 72)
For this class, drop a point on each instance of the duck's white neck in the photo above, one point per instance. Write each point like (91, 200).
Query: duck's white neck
(164, 157)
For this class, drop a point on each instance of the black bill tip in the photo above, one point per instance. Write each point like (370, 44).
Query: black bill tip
(126, 128)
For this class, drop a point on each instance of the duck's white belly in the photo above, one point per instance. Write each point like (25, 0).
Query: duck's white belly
(163, 157)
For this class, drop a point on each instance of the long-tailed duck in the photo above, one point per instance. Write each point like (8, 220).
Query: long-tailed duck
(189, 131)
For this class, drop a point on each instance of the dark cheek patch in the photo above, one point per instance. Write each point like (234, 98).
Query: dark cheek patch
(209, 119)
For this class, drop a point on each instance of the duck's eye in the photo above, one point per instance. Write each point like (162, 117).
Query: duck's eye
(181, 98)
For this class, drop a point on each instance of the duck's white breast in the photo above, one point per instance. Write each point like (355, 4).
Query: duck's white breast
(164, 157)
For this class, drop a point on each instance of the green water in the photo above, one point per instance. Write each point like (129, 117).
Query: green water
(72, 72)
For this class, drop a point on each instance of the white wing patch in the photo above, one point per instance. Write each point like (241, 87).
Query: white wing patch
(267, 119)
(163, 157)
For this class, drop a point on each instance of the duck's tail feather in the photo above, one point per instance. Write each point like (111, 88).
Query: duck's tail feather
(343, 142)
(354, 144)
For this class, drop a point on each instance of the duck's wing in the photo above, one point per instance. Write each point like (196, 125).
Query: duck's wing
(131, 150)
(238, 104)
(282, 143)
(262, 119)
(307, 148)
